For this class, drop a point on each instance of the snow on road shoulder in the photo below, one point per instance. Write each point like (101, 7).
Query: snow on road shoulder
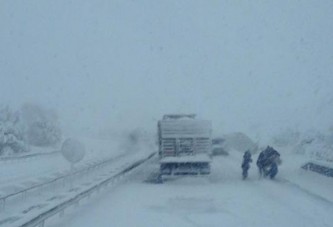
(15, 176)
(221, 199)
(309, 181)
(42, 166)
(34, 204)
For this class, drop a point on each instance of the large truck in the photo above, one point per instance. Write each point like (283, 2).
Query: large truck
(184, 145)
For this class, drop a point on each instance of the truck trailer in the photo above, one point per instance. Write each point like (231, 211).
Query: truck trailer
(184, 145)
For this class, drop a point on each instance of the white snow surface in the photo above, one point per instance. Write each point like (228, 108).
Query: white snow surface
(295, 198)
(110, 156)
(18, 173)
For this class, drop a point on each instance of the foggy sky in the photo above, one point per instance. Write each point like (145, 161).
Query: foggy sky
(252, 66)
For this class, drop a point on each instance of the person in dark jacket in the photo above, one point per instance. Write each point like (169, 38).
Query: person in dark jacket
(260, 163)
(247, 159)
(273, 170)
(268, 161)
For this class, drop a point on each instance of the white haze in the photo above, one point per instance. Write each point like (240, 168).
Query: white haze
(252, 66)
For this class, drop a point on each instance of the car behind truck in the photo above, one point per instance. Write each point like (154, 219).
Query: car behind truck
(184, 145)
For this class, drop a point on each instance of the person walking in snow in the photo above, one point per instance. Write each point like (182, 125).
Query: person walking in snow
(260, 163)
(247, 159)
(268, 162)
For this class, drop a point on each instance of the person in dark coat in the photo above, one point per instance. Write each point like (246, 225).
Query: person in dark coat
(267, 162)
(274, 160)
(247, 159)
(273, 170)
(260, 163)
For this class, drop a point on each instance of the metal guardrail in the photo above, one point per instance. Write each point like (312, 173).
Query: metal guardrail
(323, 170)
(59, 209)
(14, 158)
(4, 198)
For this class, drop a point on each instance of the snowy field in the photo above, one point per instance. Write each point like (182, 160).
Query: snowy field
(295, 198)
(18, 172)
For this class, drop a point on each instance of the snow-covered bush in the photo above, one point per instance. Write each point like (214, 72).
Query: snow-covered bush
(41, 125)
(316, 145)
(43, 133)
(11, 133)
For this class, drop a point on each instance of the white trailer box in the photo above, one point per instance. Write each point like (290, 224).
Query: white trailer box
(184, 145)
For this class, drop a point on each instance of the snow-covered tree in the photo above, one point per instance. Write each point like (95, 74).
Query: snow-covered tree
(316, 145)
(11, 133)
(41, 125)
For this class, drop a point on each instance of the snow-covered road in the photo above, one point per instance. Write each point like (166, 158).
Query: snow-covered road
(222, 199)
